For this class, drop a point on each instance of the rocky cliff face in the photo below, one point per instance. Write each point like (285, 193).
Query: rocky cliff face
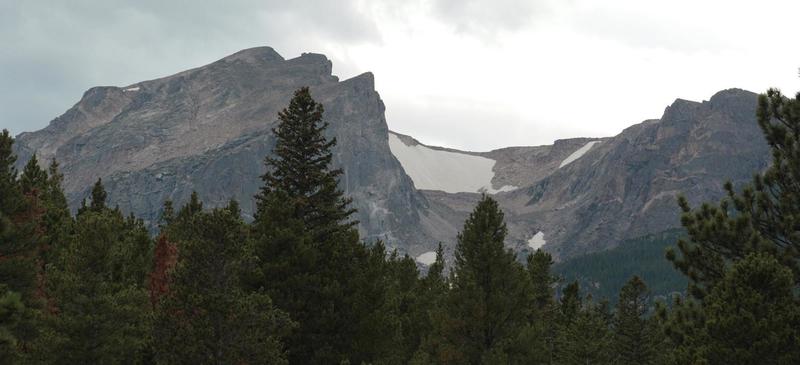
(584, 195)
(208, 130)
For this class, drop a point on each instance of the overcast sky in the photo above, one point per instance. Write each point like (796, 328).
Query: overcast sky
(467, 74)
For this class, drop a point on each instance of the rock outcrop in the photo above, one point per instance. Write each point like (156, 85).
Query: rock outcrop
(209, 129)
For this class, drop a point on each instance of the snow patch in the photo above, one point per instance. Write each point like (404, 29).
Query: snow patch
(427, 258)
(451, 172)
(131, 89)
(577, 154)
(537, 241)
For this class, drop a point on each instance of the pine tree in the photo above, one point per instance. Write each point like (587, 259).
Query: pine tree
(586, 339)
(16, 246)
(206, 316)
(431, 294)
(99, 196)
(312, 264)
(633, 341)
(571, 303)
(752, 316)
(11, 315)
(33, 180)
(490, 299)
(299, 174)
(18, 254)
(538, 340)
(96, 285)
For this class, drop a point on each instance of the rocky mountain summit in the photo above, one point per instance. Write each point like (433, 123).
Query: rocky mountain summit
(208, 130)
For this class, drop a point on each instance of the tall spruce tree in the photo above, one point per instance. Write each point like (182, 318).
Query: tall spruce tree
(490, 299)
(633, 339)
(312, 264)
(299, 173)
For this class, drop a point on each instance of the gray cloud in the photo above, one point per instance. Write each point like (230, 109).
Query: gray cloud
(486, 18)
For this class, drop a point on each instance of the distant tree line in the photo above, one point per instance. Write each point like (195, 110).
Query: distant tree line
(297, 286)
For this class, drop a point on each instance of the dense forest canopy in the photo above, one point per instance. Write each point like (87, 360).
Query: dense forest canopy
(298, 286)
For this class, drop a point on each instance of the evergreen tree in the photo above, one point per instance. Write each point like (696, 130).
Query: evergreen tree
(750, 317)
(16, 246)
(490, 299)
(312, 264)
(571, 303)
(18, 254)
(431, 294)
(206, 316)
(33, 180)
(99, 196)
(299, 174)
(96, 284)
(633, 340)
(586, 339)
(539, 335)
(11, 315)
(540, 264)
(54, 192)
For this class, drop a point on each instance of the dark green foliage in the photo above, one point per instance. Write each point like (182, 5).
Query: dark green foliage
(752, 316)
(96, 287)
(300, 175)
(431, 293)
(586, 338)
(312, 264)
(602, 274)
(537, 340)
(297, 286)
(11, 315)
(99, 196)
(20, 245)
(17, 246)
(571, 303)
(634, 342)
(490, 296)
(33, 179)
(206, 316)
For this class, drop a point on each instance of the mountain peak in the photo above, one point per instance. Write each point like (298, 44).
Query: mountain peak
(732, 96)
(255, 55)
